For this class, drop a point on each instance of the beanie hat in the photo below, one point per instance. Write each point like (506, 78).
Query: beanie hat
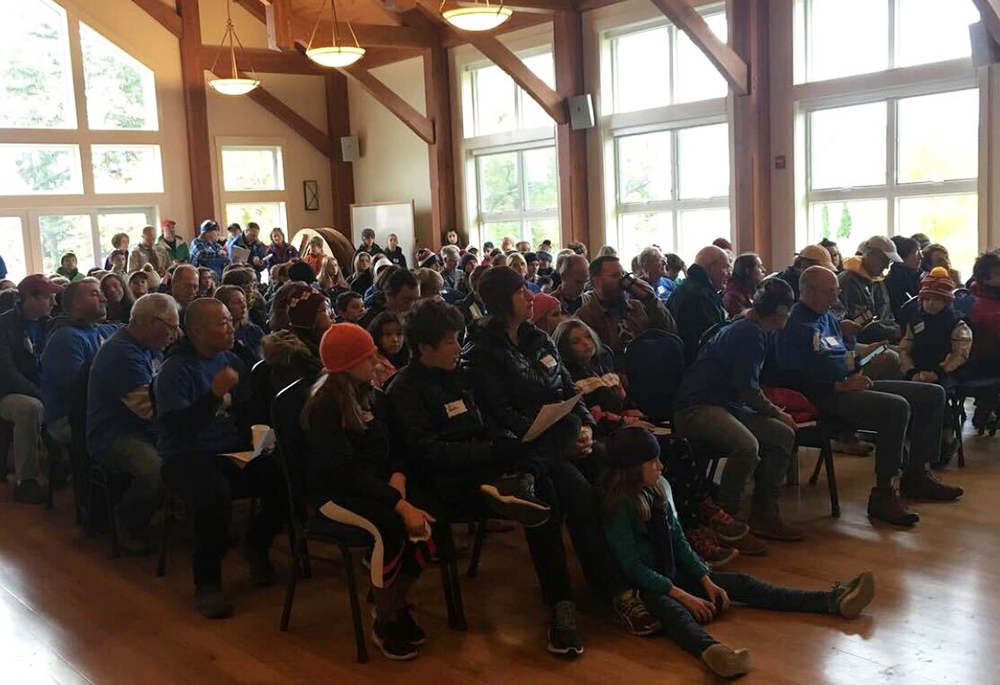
(631, 446)
(344, 346)
(541, 305)
(303, 306)
(497, 286)
(206, 226)
(301, 271)
(937, 284)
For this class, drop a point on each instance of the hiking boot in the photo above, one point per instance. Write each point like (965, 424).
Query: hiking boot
(885, 505)
(513, 497)
(212, 602)
(749, 545)
(925, 485)
(28, 491)
(631, 612)
(563, 638)
(393, 641)
(706, 545)
(851, 599)
(766, 522)
(720, 521)
(853, 445)
(726, 662)
(261, 569)
(410, 629)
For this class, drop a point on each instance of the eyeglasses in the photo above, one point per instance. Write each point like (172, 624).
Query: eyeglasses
(172, 326)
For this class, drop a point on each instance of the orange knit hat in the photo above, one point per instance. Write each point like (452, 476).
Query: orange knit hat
(344, 346)
(937, 284)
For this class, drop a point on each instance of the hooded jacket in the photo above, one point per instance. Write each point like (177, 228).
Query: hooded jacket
(860, 293)
(696, 306)
(20, 361)
(984, 320)
(290, 358)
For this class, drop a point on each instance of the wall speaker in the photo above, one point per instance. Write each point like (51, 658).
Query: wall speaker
(350, 149)
(581, 112)
(985, 51)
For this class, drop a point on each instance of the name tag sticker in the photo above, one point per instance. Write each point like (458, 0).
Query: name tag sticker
(831, 341)
(919, 328)
(549, 361)
(455, 408)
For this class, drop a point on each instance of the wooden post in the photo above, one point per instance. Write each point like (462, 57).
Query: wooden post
(338, 118)
(437, 89)
(571, 146)
(196, 113)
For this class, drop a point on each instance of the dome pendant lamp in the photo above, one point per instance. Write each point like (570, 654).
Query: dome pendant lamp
(236, 85)
(337, 54)
(479, 15)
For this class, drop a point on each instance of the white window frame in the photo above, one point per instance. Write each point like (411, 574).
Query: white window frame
(33, 233)
(250, 197)
(522, 215)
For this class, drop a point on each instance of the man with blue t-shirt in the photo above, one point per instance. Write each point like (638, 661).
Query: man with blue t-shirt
(121, 428)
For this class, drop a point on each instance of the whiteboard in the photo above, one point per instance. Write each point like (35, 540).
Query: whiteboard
(385, 218)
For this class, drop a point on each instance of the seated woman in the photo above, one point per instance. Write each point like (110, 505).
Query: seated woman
(387, 332)
(247, 335)
(361, 278)
(120, 299)
(748, 272)
(547, 313)
(936, 254)
(592, 368)
(675, 584)
(294, 353)
(330, 279)
(353, 477)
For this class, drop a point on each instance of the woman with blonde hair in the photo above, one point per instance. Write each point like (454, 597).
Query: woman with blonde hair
(331, 279)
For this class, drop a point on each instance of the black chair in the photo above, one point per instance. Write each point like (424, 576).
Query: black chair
(986, 392)
(820, 437)
(654, 365)
(6, 441)
(262, 391)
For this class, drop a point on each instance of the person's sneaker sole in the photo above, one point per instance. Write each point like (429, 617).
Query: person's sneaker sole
(855, 601)
(528, 514)
(725, 662)
(415, 643)
(570, 652)
(924, 497)
(652, 630)
(907, 521)
(749, 545)
(719, 563)
(407, 656)
(780, 536)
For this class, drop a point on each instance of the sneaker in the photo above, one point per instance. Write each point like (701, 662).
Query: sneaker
(766, 522)
(631, 612)
(851, 599)
(513, 497)
(885, 505)
(261, 569)
(720, 521)
(212, 602)
(411, 630)
(853, 445)
(749, 545)
(925, 485)
(28, 491)
(726, 662)
(392, 641)
(563, 638)
(704, 542)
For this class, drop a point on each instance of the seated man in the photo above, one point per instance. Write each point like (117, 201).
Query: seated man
(202, 397)
(69, 347)
(573, 273)
(903, 281)
(184, 286)
(696, 303)
(809, 355)
(22, 341)
(121, 428)
(653, 268)
(863, 293)
(402, 289)
(811, 255)
(616, 316)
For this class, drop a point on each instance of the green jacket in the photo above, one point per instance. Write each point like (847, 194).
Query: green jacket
(178, 253)
(632, 548)
(75, 275)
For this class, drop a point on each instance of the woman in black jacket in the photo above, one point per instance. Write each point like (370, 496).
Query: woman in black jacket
(353, 477)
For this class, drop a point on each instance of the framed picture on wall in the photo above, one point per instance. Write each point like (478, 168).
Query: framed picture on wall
(310, 191)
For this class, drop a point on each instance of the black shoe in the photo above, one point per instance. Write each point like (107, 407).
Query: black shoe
(563, 638)
(631, 612)
(212, 602)
(513, 497)
(886, 506)
(28, 491)
(391, 640)
(412, 632)
(261, 569)
(925, 485)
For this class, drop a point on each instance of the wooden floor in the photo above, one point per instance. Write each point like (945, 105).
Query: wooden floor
(69, 614)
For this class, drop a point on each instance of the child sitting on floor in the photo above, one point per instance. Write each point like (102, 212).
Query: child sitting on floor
(676, 586)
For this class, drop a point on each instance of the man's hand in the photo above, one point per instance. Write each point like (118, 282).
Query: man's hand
(848, 328)
(787, 419)
(853, 383)
(642, 290)
(585, 441)
(224, 381)
(398, 482)
(414, 520)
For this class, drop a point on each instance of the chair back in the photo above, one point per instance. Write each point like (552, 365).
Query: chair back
(286, 411)
(654, 365)
(710, 333)
(262, 392)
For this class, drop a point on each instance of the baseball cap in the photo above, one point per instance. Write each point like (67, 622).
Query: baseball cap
(168, 222)
(37, 283)
(883, 245)
(818, 254)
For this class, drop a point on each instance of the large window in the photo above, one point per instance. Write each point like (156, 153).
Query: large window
(494, 104)
(87, 233)
(253, 183)
(518, 195)
(120, 90)
(127, 168)
(40, 170)
(267, 214)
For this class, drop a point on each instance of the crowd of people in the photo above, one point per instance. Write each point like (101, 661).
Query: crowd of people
(424, 384)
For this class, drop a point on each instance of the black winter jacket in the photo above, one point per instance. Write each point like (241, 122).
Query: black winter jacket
(20, 369)
(696, 306)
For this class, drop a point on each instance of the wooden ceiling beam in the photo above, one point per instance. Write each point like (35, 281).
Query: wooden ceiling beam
(168, 18)
(262, 61)
(990, 11)
(725, 59)
(280, 34)
(402, 110)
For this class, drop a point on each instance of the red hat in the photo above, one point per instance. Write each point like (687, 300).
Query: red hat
(303, 306)
(37, 283)
(344, 346)
(937, 284)
(167, 222)
(541, 305)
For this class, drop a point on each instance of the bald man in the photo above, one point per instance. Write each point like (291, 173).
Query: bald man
(696, 303)
(573, 275)
(811, 356)
(202, 397)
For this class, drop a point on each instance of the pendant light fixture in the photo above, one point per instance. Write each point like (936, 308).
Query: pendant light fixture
(480, 15)
(234, 85)
(337, 54)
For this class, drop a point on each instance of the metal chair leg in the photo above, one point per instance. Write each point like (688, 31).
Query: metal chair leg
(286, 610)
(116, 551)
(826, 454)
(352, 588)
(477, 549)
(819, 464)
(168, 522)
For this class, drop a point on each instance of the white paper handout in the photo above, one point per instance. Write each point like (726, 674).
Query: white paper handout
(263, 442)
(240, 254)
(548, 415)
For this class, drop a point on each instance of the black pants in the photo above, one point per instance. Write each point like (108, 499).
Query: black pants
(688, 480)
(208, 484)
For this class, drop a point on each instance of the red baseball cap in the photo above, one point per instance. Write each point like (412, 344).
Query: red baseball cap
(37, 283)
(167, 222)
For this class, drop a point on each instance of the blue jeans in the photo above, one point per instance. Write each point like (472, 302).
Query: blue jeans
(681, 625)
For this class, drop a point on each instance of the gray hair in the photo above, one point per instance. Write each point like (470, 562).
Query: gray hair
(450, 250)
(152, 306)
(649, 256)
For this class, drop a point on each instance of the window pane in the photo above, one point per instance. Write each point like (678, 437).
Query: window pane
(499, 186)
(252, 168)
(644, 167)
(62, 233)
(267, 214)
(494, 101)
(851, 222)
(699, 227)
(129, 222)
(127, 169)
(642, 230)
(532, 115)
(642, 70)
(36, 84)
(494, 231)
(542, 229)
(927, 34)
(939, 137)
(704, 161)
(40, 169)
(951, 220)
(121, 92)
(697, 78)
(847, 146)
(540, 178)
(12, 247)
(847, 37)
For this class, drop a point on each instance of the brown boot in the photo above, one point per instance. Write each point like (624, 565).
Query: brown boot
(884, 504)
(765, 521)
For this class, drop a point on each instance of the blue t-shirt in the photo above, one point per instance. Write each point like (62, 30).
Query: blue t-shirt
(729, 363)
(33, 332)
(664, 288)
(120, 367)
(67, 350)
(811, 346)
